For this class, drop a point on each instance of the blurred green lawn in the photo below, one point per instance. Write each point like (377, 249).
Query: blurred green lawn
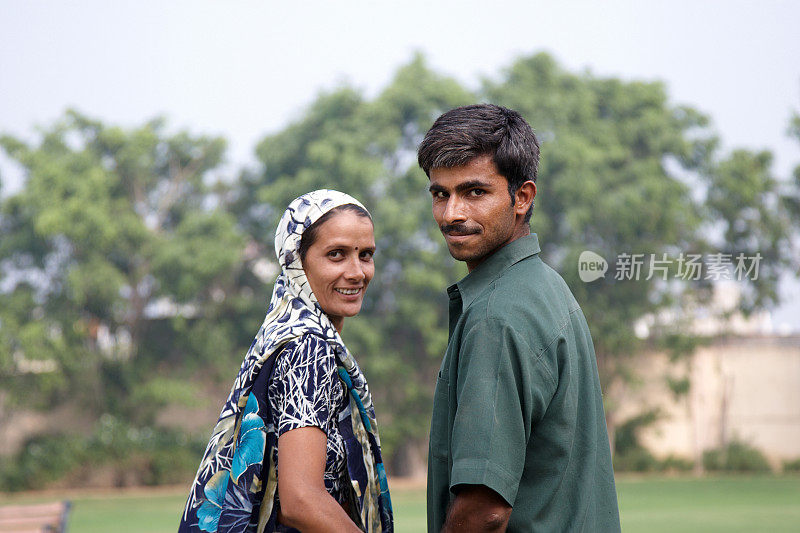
(652, 504)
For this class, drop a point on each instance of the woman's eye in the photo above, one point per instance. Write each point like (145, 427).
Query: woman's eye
(367, 254)
(335, 254)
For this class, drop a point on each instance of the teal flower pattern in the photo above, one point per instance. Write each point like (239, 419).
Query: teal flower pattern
(210, 509)
(251, 442)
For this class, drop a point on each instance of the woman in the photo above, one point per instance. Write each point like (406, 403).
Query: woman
(296, 445)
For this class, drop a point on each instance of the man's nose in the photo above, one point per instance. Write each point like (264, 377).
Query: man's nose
(454, 211)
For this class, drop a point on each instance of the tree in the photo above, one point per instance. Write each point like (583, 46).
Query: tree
(791, 193)
(626, 172)
(116, 264)
(132, 276)
(368, 149)
(623, 171)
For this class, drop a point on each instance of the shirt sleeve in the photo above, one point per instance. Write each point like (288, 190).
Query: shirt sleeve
(500, 392)
(305, 385)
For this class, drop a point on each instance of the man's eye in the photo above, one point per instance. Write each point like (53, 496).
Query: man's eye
(438, 194)
(477, 192)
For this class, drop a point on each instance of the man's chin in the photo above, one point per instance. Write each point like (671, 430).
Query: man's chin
(459, 253)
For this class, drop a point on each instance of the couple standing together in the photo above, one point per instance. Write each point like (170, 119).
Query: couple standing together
(518, 439)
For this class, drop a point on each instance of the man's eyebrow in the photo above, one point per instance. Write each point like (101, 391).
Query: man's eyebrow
(461, 187)
(472, 184)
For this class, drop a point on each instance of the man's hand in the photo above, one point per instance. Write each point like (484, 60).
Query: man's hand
(477, 509)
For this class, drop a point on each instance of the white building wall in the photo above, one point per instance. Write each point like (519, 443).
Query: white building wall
(745, 388)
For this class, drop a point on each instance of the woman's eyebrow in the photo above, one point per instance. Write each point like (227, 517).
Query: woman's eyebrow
(335, 244)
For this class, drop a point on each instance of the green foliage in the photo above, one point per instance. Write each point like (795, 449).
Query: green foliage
(626, 436)
(639, 459)
(130, 273)
(792, 465)
(629, 454)
(748, 203)
(679, 387)
(117, 263)
(735, 457)
(673, 463)
(132, 455)
(43, 459)
(679, 344)
(613, 151)
(635, 460)
(113, 237)
(367, 148)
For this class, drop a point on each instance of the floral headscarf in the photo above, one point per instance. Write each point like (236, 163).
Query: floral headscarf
(235, 485)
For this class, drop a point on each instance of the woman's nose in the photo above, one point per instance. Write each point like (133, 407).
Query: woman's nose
(354, 270)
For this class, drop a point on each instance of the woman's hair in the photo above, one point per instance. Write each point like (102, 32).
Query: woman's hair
(309, 236)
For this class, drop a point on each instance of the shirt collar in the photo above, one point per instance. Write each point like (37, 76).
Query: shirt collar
(492, 267)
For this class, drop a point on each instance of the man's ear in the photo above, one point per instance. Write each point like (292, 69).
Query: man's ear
(523, 198)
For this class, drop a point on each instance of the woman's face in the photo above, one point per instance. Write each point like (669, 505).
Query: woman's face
(339, 264)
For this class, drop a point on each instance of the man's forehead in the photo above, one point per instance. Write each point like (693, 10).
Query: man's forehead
(476, 172)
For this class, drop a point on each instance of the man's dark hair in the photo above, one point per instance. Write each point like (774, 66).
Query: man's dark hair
(309, 236)
(464, 133)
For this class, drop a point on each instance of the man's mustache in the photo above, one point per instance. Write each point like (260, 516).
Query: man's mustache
(458, 229)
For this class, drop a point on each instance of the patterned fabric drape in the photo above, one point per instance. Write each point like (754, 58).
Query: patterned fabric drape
(234, 488)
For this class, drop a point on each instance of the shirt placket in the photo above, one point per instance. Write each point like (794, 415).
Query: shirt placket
(454, 311)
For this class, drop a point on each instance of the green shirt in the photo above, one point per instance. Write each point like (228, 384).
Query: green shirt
(518, 407)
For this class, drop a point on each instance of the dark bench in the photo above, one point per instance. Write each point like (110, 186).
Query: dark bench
(35, 518)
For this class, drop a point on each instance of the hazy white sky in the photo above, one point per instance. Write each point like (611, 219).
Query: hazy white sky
(245, 69)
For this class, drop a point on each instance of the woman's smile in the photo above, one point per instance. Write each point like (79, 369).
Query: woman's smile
(339, 264)
(348, 292)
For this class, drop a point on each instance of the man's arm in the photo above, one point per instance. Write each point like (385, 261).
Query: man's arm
(477, 508)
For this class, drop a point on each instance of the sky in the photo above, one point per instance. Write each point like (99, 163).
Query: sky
(244, 69)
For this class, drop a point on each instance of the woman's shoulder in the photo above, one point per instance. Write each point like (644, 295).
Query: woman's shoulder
(308, 359)
(309, 346)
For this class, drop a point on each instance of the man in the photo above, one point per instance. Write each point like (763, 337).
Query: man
(518, 435)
